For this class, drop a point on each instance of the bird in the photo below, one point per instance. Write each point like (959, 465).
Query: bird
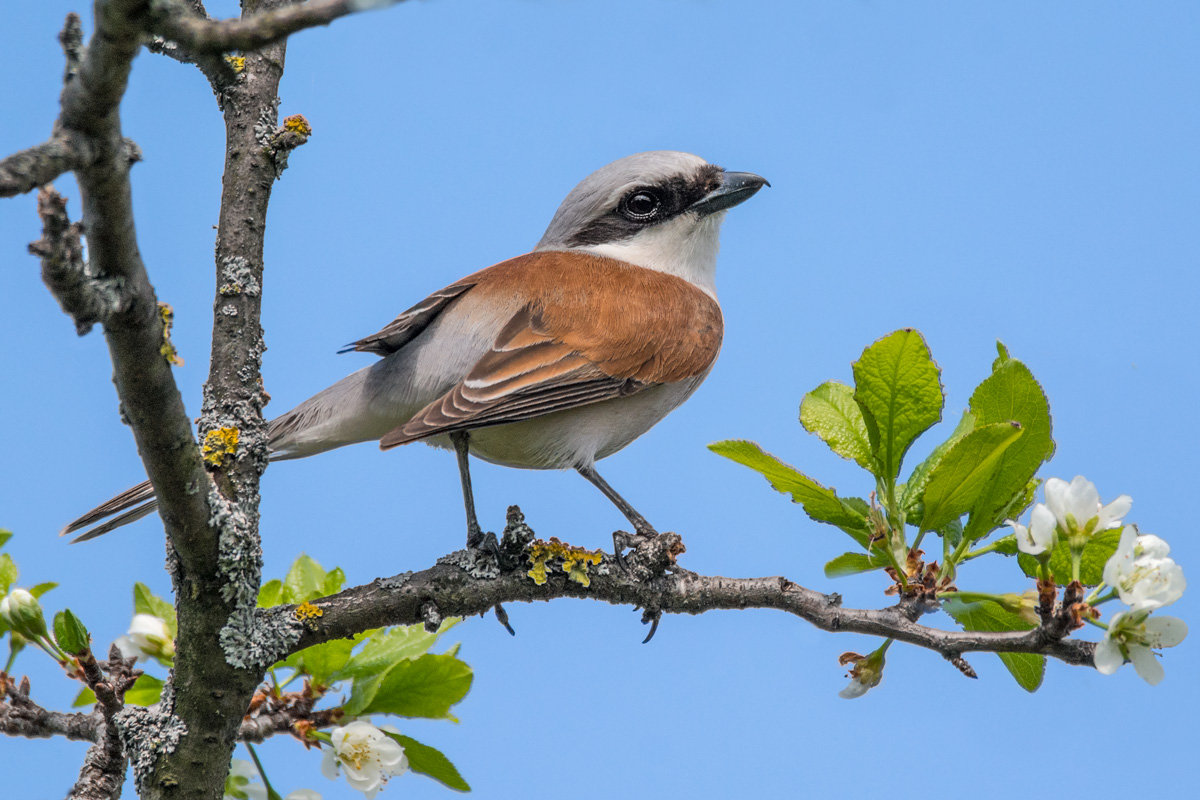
(551, 360)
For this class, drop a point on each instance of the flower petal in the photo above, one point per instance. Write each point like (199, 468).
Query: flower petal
(854, 688)
(329, 765)
(1146, 664)
(1165, 631)
(1042, 526)
(1108, 657)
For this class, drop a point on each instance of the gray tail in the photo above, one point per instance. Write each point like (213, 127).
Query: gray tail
(129, 506)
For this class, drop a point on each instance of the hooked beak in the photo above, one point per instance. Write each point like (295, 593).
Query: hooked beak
(736, 187)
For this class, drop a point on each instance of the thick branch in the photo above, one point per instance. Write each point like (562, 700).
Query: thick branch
(150, 399)
(453, 591)
(199, 35)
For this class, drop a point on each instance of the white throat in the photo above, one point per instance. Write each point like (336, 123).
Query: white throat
(685, 246)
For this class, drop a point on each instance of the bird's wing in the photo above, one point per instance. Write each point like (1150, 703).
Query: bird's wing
(404, 328)
(594, 330)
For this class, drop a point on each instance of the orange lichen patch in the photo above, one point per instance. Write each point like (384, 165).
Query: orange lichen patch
(218, 444)
(296, 123)
(167, 349)
(306, 612)
(575, 560)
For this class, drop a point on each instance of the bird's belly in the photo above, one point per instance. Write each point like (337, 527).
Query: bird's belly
(577, 436)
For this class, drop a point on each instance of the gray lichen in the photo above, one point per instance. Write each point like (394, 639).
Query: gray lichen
(147, 733)
(238, 278)
(257, 638)
(476, 563)
(395, 582)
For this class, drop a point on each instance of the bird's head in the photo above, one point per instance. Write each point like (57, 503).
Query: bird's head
(661, 210)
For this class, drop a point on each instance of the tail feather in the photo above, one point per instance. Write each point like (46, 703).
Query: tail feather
(124, 519)
(139, 498)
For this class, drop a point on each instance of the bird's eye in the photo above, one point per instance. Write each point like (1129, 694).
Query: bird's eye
(641, 205)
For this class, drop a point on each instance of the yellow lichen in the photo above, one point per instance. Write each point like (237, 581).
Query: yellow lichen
(237, 62)
(218, 444)
(296, 123)
(306, 612)
(167, 349)
(575, 560)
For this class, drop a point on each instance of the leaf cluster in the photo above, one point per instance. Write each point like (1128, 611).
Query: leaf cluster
(980, 475)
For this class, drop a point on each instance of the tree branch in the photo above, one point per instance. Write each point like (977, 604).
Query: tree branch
(103, 771)
(459, 586)
(21, 716)
(38, 165)
(200, 35)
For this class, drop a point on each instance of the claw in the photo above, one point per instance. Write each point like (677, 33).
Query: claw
(502, 617)
(653, 625)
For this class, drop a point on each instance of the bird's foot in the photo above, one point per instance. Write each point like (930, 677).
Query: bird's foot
(623, 540)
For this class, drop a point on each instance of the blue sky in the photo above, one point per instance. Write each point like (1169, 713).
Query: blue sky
(1017, 171)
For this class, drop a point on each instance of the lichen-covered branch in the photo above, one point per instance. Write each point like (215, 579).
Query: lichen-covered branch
(201, 35)
(85, 297)
(460, 585)
(21, 716)
(103, 771)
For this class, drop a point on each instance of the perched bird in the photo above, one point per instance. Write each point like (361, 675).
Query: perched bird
(551, 360)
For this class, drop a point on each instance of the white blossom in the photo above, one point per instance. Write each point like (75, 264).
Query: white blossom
(302, 794)
(1076, 504)
(1132, 635)
(1039, 536)
(366, 754)
(147, 637)
(1143, 575)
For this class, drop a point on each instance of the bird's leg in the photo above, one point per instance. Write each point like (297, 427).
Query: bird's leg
(620, 540)
(637, 520)
(474, 532)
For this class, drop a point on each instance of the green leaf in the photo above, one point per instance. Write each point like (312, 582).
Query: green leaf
(854, 563)
(37, 590)
(1010, 393)
(964, 472)
(830, 412)
(334, 580)
(8, 573)
(383, 648)
(69, 633)
(271, 594)
(1096, 553)
(820, 503)
(914, 487)
(305, 580)
(426, 760)
(897, 387)
(146, 691)
(321, 661)
(1027, 668)
(5, 535)
(362, 693)
(422, 687)
(147, 602)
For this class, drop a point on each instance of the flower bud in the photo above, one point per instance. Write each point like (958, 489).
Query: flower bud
(23, 613)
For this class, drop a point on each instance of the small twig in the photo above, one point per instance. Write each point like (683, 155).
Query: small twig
(86, 298)
(21, 716)
(203, 35)
(71, 39)
(103, 771)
